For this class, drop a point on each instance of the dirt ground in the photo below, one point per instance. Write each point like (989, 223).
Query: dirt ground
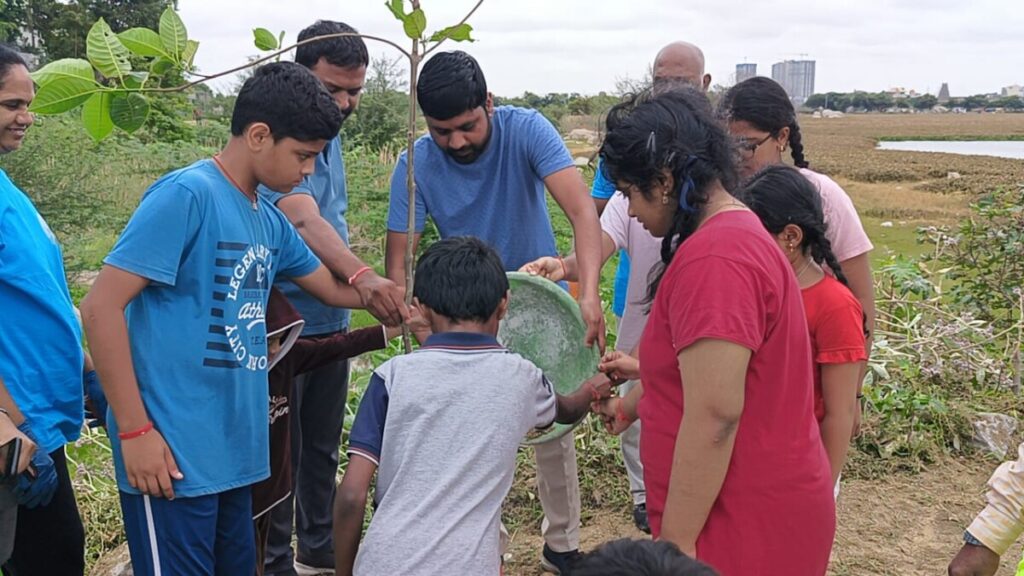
(905, 525)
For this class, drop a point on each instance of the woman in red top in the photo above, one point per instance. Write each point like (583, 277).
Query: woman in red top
(790, 209)
(735, 470)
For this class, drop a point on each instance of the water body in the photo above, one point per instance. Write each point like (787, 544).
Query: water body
(1000, 149)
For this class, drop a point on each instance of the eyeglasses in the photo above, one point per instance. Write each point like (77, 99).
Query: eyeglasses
(746, 148)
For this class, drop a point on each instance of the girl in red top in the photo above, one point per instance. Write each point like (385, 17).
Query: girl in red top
(790, 209)
(733, 462)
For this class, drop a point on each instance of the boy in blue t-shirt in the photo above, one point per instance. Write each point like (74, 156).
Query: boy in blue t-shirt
(177, 327)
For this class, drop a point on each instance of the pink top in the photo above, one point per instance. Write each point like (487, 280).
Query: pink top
(845, 231)
(775, 512)
(644, 252)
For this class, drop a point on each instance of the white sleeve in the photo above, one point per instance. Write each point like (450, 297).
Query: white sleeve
(615, 220)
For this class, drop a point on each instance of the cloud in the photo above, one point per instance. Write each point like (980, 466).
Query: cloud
(583, 46)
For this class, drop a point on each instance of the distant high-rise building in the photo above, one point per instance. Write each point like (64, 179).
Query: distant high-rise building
(797, 77)
(1012, 90)
(745, 72)
(944, 93)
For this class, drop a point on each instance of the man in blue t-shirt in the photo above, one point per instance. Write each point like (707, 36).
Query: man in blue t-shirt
(482, 172)
(177, 324)
(316, 208)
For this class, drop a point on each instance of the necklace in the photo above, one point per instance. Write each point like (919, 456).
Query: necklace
(216, 159)
(803, 269)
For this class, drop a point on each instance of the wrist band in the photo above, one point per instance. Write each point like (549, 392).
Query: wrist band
(136, 433)
(352, 279)
(564, 271)
(620, 412)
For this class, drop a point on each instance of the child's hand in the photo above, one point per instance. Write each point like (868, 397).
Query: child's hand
(600, 386)
(417, 323)
(611, 414)
(551, 268)
(620, 366)
(149, 464)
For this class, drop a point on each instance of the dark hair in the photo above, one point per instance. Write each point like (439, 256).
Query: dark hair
(343, 51)
(764, 103)
(677, 131)
(461, 278)
(639, 558)
(289, 99)
(9, 57)
(451, 83)
(780, 196)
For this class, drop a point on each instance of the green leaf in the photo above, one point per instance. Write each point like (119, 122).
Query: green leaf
(143, 42)
(415, 24)
(96, 116)
(160, 66)
(191, 47)
(264, 39)
(106, 52)
(129, 111)
(173, 35)
(397, 9)
(64, 68)
(458, 33)
(63, 94)
(136, 80)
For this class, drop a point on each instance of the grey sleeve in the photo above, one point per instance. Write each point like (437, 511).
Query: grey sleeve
(546, 403)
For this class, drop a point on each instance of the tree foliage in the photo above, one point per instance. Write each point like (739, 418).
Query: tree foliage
(881, 101)
(380, 120)
(56, 30)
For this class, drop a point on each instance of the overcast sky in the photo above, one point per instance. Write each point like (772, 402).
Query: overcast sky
(585, 45)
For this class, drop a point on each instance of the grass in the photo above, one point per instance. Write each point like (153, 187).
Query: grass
(87, 192)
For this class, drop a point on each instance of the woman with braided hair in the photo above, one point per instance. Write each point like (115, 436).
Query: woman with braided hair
(761, 119)
(735, 471)
(790, 209)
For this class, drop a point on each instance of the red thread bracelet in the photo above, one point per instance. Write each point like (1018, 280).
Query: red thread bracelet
(352, 279)
(136, 433)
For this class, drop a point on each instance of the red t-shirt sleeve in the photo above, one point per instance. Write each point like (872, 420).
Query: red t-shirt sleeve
(720, 299)
(839, 337)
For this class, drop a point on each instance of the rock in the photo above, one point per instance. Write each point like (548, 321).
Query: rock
(953, 176)
(582, 135)
(886, 224)
(832, 114)
(115, 563)
(994, 433)
(817, 114)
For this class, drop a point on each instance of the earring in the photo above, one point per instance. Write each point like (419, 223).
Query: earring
(791, 248)
(664, 199)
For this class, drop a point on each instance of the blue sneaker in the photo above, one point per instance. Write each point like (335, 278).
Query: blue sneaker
(560, 563)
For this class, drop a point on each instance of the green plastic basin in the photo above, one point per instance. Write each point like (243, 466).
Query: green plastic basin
(544, 325)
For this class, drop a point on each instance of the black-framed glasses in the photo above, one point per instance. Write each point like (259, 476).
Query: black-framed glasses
(746, 148)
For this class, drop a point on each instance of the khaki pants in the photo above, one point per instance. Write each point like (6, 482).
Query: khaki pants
(558, 487)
